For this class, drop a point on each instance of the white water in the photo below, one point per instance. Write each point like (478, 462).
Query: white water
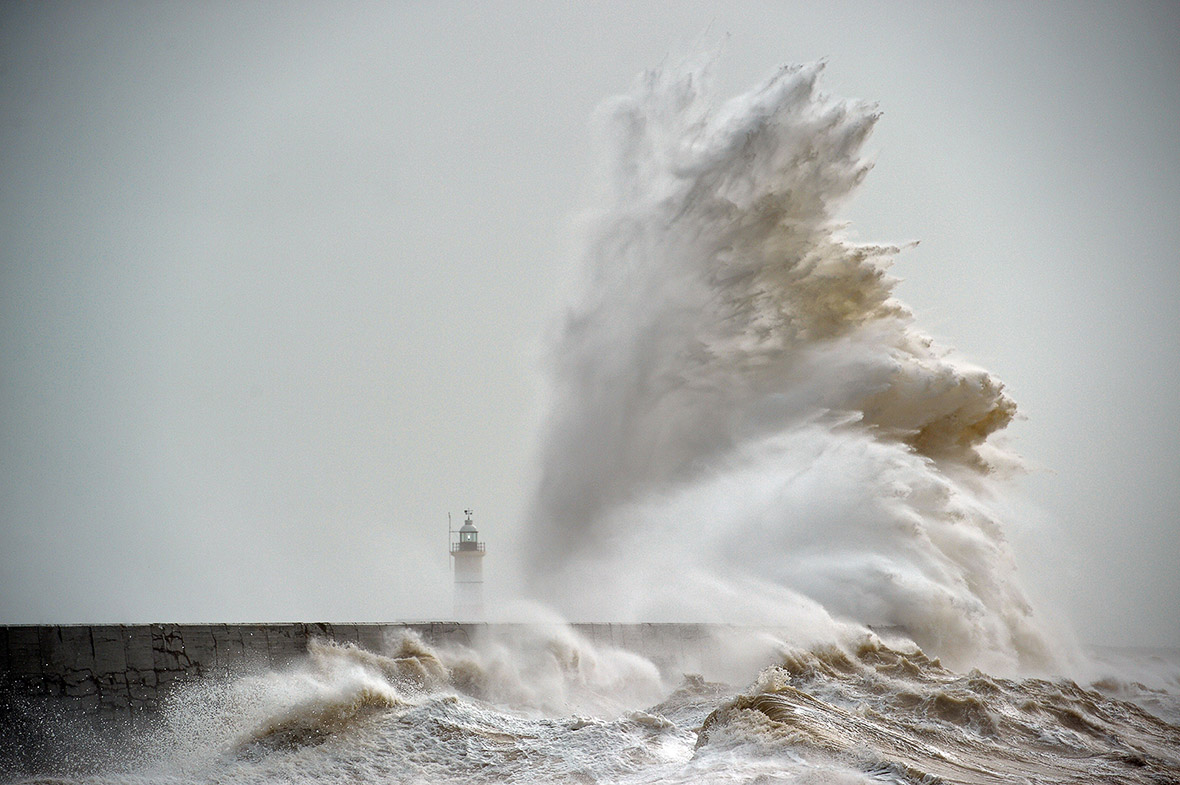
(546, 706)
(747, 425)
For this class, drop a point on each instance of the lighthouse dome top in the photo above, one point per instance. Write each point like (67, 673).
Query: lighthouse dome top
(469, 536)
(468, 526)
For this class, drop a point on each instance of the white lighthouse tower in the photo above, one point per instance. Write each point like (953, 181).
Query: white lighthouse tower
(468, 554)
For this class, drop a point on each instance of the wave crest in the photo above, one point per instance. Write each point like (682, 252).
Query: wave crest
(896, 710)
(744, 414)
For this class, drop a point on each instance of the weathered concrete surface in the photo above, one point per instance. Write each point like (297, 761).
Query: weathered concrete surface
(126, 671)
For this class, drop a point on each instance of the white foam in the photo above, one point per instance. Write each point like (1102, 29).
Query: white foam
(746, 424)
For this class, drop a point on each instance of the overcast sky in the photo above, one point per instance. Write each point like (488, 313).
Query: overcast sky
(275, 279)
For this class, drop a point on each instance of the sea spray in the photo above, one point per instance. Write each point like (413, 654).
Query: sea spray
(539, 664)
(746, 423)
(552, 707)
(539, 703)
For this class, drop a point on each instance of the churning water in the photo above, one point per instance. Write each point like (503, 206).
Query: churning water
(548, 707)
(747, 428)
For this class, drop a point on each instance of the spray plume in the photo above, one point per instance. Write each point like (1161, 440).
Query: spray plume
(746, 424)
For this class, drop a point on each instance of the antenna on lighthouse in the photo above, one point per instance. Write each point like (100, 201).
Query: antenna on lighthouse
(468, 555)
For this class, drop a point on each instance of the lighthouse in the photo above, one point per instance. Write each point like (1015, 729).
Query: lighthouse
(468, 554)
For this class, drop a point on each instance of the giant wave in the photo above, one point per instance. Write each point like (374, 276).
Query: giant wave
(746, 423)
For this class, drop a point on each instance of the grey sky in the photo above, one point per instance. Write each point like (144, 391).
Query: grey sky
(274, 279)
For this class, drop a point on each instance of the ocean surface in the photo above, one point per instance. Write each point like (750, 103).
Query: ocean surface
(552, 708)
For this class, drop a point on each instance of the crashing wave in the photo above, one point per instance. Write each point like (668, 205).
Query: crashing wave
(746, 422)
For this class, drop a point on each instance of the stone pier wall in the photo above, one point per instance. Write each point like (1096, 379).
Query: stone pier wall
(126, 671)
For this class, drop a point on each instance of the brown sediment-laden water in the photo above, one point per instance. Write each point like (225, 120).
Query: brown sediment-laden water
(553, 708)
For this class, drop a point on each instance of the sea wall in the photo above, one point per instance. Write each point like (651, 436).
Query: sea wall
(126, 671)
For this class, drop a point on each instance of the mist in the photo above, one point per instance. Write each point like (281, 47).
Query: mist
(280, 290)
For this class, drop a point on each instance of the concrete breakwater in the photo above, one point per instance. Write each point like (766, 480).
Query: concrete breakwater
(126, 671)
